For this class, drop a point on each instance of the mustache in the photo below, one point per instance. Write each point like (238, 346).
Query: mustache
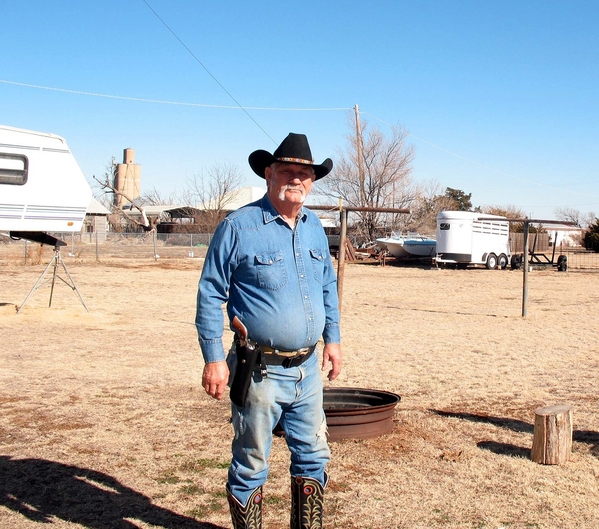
(292, 187)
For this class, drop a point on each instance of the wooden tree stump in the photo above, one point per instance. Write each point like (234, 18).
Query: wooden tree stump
(552, 442)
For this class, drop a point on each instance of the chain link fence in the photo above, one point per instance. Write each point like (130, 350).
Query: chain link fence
(89, 247)
(110, 246)
(578, 259)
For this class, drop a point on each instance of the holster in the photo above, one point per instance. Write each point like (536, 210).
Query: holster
(247, 358)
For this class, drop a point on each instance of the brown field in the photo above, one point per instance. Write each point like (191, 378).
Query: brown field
(104, 424)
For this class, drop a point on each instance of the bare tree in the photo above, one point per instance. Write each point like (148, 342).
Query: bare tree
(573, 215)
(211, 192)
(155, 198)
(511, 212)
(145, 222)
(383, 182)
(424, 209)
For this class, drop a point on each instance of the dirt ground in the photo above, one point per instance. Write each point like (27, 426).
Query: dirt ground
(104, 424)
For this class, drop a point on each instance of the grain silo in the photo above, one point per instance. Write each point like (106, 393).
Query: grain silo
(127, 179)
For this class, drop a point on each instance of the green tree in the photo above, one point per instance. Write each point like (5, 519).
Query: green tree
(591, 237)
(459, 200)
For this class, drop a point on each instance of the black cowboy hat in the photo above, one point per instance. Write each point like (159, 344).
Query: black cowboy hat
(293, 149)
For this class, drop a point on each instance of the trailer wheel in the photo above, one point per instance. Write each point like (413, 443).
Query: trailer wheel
(516, 261)
(562, 263)
(502, 261)
(492, 261)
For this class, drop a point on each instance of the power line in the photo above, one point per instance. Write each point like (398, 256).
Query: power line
(207, 70)
(165, 102)
(283, 109)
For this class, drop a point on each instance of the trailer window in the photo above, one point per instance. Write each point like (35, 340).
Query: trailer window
(13, 169)
(444, 225)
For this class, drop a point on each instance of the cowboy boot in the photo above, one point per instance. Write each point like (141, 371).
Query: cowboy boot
(307, 503)
(250, 516)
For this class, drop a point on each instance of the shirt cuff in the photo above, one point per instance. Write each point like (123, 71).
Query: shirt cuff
(332, 333)
(212, 350)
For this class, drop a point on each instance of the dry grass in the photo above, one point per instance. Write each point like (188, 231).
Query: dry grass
(104, 423)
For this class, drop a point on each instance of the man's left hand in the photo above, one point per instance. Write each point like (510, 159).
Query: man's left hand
(332, 353)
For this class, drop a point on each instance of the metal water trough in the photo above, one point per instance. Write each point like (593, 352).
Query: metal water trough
(355, 413)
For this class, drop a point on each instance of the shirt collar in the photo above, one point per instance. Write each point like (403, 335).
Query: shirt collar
(269, 213)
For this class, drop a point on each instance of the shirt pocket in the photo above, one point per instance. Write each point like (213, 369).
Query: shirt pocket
(271, 270)
(318, 259)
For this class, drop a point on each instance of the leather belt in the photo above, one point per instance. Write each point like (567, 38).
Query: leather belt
(269, 350)
(277, 357)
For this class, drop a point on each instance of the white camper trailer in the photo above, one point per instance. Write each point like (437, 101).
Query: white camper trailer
(41, 186)
(465, 238)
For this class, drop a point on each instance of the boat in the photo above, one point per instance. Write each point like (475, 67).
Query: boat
(410, 245)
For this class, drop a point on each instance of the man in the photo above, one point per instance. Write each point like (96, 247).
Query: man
(269, 262)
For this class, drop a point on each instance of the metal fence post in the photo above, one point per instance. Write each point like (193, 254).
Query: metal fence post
(525, 275)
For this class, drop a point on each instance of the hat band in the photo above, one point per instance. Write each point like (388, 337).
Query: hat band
(295, 160)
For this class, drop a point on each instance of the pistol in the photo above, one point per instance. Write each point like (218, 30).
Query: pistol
(241, 331)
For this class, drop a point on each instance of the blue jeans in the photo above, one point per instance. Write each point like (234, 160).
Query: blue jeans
(293, 398)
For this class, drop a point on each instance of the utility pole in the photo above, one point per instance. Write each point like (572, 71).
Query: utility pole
(360, 147)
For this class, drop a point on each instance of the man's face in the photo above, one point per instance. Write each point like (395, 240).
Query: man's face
(289, 183)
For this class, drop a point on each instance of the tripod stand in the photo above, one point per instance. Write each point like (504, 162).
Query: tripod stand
(54, 262)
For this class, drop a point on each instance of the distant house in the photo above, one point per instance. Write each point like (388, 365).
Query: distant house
(191, 218)
(242, 196)
(95, 224)
(564, 235)
(198, 218)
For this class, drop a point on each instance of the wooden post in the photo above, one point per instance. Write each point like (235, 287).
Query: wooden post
(342, 248)
(552, 442)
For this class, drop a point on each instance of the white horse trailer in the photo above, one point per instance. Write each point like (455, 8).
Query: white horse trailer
(42, 187)
(465, 238)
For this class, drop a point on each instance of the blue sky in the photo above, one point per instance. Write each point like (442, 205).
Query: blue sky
(500, 98)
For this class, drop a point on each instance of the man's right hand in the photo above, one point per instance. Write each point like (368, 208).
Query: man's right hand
(215, 378)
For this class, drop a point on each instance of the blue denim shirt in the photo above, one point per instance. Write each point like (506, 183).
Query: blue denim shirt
(278, 281)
